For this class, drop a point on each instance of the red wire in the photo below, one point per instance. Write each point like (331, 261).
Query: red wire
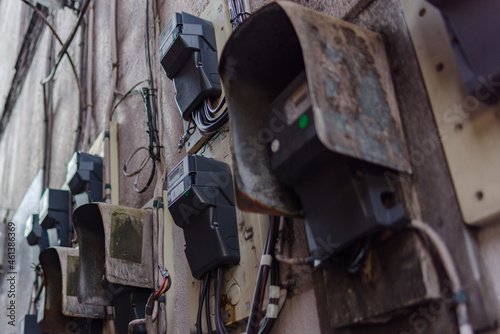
(157, 294)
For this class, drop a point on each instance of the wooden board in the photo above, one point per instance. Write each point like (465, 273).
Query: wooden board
(469, 129)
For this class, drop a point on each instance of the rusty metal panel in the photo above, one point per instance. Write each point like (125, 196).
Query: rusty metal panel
(60, 267)
(352, 96)
(351, 89)
(115, 245)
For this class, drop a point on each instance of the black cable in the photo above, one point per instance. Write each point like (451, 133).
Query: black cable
(203, 299)
(207, 304)
(265, 271)
(127, 94)
(358, 258)
(151, 82)
(219, 324)
(274, 278)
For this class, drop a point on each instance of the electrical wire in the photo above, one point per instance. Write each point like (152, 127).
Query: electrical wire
(254, 318)
(209, 140)
(207, 304)
(131, 91)
(237, 12)
(149, 99)
(73, 68)
(206, 120)
(153, 148)
(219, 324)
(148, 319)
(308, 261)
(452, 272)
(205, 282)
(209, 119)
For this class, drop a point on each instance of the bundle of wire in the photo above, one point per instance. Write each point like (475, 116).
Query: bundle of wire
(257, 323)
(267, 265)
(237, 12)
(206, 119)
(204, 299)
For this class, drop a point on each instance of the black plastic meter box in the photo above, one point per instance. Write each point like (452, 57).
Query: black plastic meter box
(200, 198)
(188, 55)
(84, 176)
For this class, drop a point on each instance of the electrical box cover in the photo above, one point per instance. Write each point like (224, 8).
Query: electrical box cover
(35, 234)
(201, 200)
(188, 55)
(84, 174)
(54, 213)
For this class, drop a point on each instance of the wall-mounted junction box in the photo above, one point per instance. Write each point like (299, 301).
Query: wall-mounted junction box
(84, 176)
(61, 280)
(330, 135)
(188, 55)
(239, 279)
(115, 249)
(200, 198)
(54, 213)
(37, 236)
(469, 130)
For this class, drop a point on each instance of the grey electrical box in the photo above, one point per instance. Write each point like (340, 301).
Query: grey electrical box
(188, 55)
(201, 200)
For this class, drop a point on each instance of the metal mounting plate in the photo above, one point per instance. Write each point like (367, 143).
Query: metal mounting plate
(469, 130)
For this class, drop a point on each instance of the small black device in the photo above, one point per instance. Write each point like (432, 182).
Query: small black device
(188, 55)
(343, 199)
(35, 234)
(84, 175)
(54, 213)
(200, 198)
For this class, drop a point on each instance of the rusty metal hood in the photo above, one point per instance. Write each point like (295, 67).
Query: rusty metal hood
(350, 87)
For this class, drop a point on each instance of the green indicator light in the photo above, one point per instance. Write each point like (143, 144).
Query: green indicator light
(303, 120)
(186, 192)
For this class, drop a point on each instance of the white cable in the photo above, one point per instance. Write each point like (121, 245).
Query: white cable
(452, 272)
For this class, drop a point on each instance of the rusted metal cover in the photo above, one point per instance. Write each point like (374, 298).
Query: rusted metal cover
(351, 91)
(60, 269)
(115, 245)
